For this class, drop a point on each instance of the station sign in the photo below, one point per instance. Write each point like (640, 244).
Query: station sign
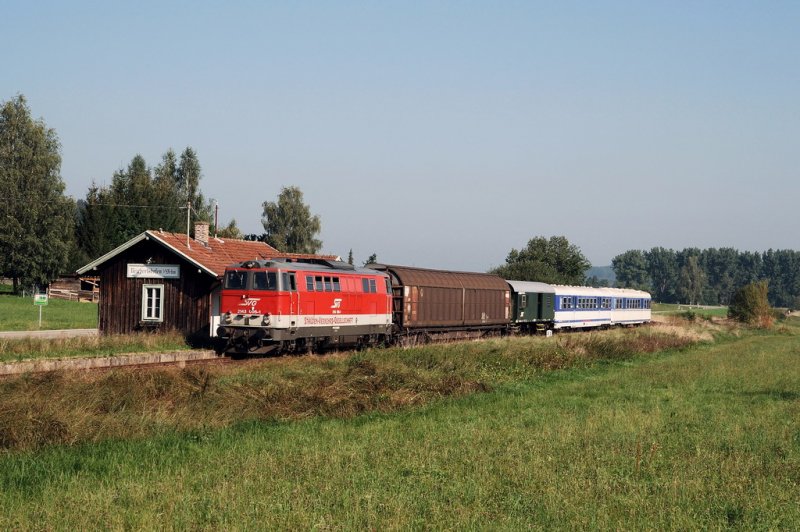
(40, 299)
(154, 271)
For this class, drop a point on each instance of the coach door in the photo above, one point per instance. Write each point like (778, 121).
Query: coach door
(290, 286)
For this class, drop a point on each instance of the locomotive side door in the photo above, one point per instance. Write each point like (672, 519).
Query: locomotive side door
(290, 285)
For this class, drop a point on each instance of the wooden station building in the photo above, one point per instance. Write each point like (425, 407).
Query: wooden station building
(168, 281)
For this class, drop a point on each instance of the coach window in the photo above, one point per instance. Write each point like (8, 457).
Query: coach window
(365, 285)
(336, 286)
(388, 285)
(523, 300)
(328, 284)
(373, 286)
(153, 302)
(265, 281)
(318, 283)
(309, 283)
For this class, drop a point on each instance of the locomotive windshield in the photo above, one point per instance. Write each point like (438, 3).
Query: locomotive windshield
(236, 280)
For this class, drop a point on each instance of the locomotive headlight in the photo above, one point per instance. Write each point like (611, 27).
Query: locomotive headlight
(228, 318)
(266, 320)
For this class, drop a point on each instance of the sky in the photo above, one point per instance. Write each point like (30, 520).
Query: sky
(438, 134)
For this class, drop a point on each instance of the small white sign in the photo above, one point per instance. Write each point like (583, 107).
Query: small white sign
(40, 299)
(154, 271)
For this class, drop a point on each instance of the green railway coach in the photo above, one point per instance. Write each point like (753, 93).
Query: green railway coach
(533, 305)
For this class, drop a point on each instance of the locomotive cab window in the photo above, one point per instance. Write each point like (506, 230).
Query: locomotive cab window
(236, 280)
(153, 302)
(265, 281)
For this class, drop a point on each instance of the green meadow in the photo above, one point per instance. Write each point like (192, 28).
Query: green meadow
(702, 433)
(18, 313)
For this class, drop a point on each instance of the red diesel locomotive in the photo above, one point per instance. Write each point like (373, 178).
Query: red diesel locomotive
(275, 306)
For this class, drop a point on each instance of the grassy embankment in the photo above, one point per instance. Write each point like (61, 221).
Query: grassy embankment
(707, 436)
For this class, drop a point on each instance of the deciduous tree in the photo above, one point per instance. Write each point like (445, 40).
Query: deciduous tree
(289, 224)
(630, 269)
(36, 219)
(662, 268)
(230, 231)
(692, 280)
(552, 260)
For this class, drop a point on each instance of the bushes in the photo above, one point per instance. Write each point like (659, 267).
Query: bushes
(750, 305)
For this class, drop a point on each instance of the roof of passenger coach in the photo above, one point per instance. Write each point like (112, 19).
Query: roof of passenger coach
(600, 292)
(567, 290)
(629, 293)
(536, 287)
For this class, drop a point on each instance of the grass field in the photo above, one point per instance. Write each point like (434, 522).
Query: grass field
(20, 314)
(704, 437)
(669, 308)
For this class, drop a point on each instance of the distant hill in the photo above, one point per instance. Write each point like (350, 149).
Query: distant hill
(602, 272)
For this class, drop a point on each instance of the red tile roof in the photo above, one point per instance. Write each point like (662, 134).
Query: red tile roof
(212, 257)
(221, 252)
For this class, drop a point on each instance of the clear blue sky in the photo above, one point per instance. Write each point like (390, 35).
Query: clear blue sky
(439, 134)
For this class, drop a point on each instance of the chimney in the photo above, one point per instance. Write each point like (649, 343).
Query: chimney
(201, 232)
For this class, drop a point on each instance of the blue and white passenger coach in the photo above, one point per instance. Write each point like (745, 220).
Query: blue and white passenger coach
(584, 306)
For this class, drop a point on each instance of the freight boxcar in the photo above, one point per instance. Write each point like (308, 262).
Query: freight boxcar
(435, 303)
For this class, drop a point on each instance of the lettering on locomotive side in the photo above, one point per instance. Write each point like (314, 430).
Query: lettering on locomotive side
(328, 320)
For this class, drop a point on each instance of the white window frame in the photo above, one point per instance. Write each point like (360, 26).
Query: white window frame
(147, 308)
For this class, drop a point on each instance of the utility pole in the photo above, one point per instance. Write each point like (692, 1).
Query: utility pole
(188, 220)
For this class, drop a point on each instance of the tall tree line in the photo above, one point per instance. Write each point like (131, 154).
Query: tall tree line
(140, 198)
(709, 276)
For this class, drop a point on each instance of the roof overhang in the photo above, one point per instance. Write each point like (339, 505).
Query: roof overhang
(147, 235)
